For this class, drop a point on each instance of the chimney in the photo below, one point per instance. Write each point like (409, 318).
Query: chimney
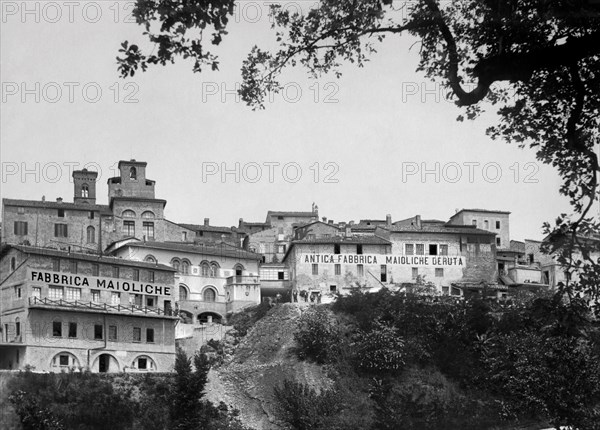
(43, 198)
(388, 220)
(206, 220)
(331, 221)
(240, 222)
(351, 222)
(418, 221)
(59, 199)
(324, 219)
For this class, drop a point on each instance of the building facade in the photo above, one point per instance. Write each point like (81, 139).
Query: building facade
(65, 310)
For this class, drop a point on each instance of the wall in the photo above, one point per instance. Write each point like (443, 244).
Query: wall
(466, 218)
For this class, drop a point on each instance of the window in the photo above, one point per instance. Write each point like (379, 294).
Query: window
(531, 258)
(315, 269)
(280, 217)
(150, 276)
(21, 228)
(57, 329)
(185, 267)
(150, 259)
(91, 215)
(359, 249)
(281, 249)
(55, 293)
(433, 249)
(332, 288)
(128, 213)
(115, 272)
(61, 213)
(137, 334)
(95, 269)
(184, 236)
(60, 230)
(280, 276)
(150, 335)
(85, 190)
(18, 292)
(95, 296)
(498, 241)
(137, 299)
(214, 270)
(132, 173)
(497, 225)
(13, 263)
(115, 298)
(439, 272)
(150, 301)
(72, 329)
(36, 292)
(205, 269)
(209, 295)
(73, 266)
(486, 224)
(148, 229)
(73, 293)
(311, 236)
(443, 249)
(142, 363)
(183, 294)
(129, 228)
(338, 269)
(136, 274)
(63, 360)
(17, 327)
(175, 264)
(98, 332)
(112, 333)
(20, 210)
(360, 270)
(383, 273)
(91, 234)
(474, 222)
(415, 272)
(409, 249)
(148, 215)
(56, 264)
(336, 248)
(420, 249)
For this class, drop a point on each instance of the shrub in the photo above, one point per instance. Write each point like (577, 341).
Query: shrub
(304, 408)
(32, 415)
(244, 320)
(317, 335)
(380, 349)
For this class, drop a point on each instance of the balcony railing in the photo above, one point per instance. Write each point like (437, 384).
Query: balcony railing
(239, 279)
(100, 307)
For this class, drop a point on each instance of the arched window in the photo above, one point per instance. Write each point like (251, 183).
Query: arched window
(205, 269)
(91, 234)
(238, 269)
(183, 292)
(209, 295)
(128, 213)
(144, 363)
(148, 215)
(85, 190)
(214, 269)
(133, 173)
(65, 359)
(175, 263)
(185, 267)
(150, 259)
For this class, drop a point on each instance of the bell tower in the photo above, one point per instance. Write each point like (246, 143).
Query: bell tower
(84, 184)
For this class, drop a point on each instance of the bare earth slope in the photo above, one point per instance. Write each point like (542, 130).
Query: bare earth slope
(262, 360)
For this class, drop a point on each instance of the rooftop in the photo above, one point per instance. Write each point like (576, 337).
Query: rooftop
(203, 249)
(201, 227)
(55, 205)
(437, 227)
(487, 211)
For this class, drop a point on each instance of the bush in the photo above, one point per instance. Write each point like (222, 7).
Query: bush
(380, 349)
(317, 335)
(244, 320)
(304, 408)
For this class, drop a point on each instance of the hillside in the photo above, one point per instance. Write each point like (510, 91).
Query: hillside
(262, 360)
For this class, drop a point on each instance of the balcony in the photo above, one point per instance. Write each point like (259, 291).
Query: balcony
(75, 305)
(242, 280)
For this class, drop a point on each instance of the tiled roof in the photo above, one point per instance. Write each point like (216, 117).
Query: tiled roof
(96, 258)
(295, 214)
(201, 227)
(55, 205)
(367, 240)
(427, 227)
(482, 211)
(204, 249)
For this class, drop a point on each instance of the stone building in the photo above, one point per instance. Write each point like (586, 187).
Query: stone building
(496, 222)
(212, 280)
(67, 310)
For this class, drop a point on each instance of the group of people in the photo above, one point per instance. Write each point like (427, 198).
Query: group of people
(313, 297)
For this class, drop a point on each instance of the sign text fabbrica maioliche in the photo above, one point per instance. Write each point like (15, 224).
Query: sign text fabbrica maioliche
(399, 260)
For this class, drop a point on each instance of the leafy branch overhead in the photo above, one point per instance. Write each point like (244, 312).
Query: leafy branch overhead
(536, 61)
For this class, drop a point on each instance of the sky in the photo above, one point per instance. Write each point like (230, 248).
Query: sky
(380, 140)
